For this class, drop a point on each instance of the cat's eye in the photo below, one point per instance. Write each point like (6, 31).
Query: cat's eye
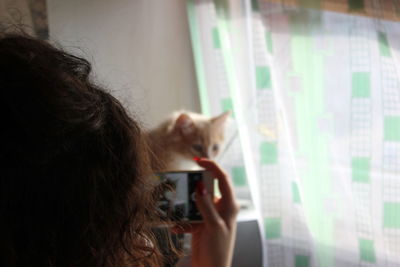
(215, 147)
(197, 147)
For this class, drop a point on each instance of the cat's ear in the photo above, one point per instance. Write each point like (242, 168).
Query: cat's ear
(220, 120)
(185, 125)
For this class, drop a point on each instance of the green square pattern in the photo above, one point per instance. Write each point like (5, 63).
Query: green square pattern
(316, 4)
(268, 40)
(227, 104)
(361, 84)
(367, 251)
(254, 5)
(360, 169)
(383, 45)
(269, 153)
(295, 193)
(301, 261)
(392, 128)
(263, 77)
(272, 228)
(216, 39)
(391, 215)
(239, 176)
(356, 5)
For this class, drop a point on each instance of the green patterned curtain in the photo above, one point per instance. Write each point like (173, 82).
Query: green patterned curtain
(314, 144)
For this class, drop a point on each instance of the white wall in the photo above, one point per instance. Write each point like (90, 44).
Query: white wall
(140, 48)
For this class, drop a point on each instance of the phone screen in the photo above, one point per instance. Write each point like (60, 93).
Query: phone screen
(177, 194)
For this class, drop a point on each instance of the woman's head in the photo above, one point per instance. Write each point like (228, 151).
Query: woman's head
(73, 188)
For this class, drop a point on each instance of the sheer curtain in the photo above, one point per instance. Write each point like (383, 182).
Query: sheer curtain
(313, 147)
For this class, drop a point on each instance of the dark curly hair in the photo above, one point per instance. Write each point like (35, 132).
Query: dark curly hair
(74, 187)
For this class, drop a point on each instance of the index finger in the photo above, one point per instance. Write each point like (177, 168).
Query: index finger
(224, 184)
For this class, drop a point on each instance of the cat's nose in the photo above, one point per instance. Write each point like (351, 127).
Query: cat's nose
(205, 155)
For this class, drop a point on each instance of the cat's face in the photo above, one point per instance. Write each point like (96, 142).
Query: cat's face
(200, 137)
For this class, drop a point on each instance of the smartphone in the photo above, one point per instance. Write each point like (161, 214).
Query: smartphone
(177, 194)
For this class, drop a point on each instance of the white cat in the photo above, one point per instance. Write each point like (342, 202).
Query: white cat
(184, 136)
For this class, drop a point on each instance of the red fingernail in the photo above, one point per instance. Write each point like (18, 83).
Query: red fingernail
(200, 189)
(196, 158)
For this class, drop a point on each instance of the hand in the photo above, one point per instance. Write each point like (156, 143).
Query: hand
(213, 240)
